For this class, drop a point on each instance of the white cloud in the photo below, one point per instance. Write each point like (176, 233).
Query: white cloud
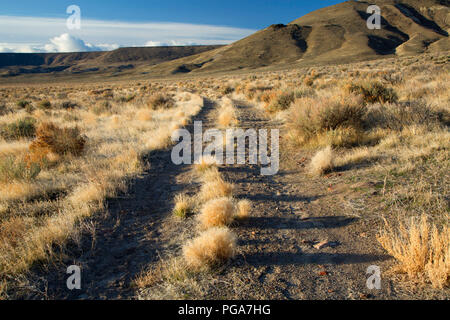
(68, 43)
(31, 34)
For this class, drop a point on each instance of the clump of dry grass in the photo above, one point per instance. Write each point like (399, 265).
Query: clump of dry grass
(216, 213)
(216, 188)
(322, 162)
(209, 249)
(422, 250)
(204, 164)
(281, 102)
(184, 206)
(227, 115)
(243, 209)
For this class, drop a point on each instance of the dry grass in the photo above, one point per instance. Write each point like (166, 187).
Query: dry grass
(184, 206)
(216, 213)
(322, 162)
(216, 188)
(422, 250)
(211, 248)
(78, 158)
(227, 115)
(205, 164)
(243, 209)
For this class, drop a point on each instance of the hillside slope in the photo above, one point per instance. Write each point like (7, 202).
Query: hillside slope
(334, 34)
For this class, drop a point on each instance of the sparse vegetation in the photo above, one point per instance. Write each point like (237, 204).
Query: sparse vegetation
(22, 128)
(209, 249)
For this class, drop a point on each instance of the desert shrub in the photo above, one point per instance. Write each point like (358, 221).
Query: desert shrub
(373, 92)
(216, 213)
(68, 105)
(281, 102)
(421, 249)
(12, 168)
(102, 107)
(314, 117)
(126, 99)
(23, 128)
(23, 103)
(210, 249)
(45, 105)
(161, 101)
(3, 110)
(322, 162)
(399, 115)
(227, 90)
(60, 141)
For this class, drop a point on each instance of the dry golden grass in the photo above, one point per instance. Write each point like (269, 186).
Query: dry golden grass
(216, 213)
(227, 115)
(209, 249)
(243, 209)
(322, 162)
(216, 188)
(205, 163)
(80, 166)
(422, 250)
(184, 206)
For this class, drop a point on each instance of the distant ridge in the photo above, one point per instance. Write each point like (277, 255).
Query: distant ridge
(335, 34)
(78, 62)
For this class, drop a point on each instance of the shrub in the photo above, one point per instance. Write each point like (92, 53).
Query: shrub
(322, 162)
(68, 105)
(281, 102)
(161, 101)
(23, 128)
(420, 248)
(3, 110)
(216, 213)
(210, 249)
(399, 115)
(45, 104)
(12, 168)
(313, 117)
(23, 103)
(61, 141)
(373, 92)
(227, 90)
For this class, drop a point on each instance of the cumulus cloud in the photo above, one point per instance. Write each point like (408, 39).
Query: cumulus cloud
(169, 43)
(32, 34)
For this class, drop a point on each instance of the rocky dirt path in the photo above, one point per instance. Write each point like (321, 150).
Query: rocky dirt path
(308, 238)
(280, 252)
(126, 237)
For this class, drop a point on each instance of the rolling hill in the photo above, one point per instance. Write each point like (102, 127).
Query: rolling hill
(335, 34)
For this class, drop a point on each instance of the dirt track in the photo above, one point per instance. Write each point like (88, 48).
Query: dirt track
(278, 254)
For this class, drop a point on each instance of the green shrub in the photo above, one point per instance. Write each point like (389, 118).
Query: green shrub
(23, 128)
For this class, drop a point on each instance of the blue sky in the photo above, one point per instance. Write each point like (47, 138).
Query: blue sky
(35, 26)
